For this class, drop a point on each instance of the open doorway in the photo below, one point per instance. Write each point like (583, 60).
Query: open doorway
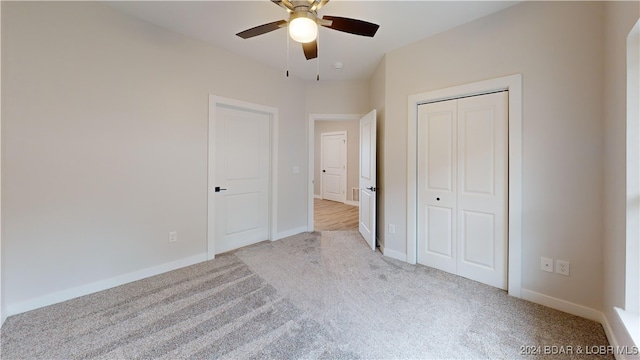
(329, 213)
(332, 216)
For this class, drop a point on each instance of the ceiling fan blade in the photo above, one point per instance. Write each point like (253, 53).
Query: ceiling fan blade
(317, 4)
(352, 26)
(310, 50)
(286, 4)
(262, 29)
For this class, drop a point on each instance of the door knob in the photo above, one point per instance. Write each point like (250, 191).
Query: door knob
(371, 188)
(218, 189)
(324, 170)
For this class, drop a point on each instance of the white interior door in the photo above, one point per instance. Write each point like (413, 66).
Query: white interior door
(482, 188)
(242, 177)
(437, 152)
(333, 159)
(462, 177)
(367, 214)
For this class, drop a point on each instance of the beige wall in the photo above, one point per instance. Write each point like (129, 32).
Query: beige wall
(619, 18)
(337, 97)
(352, 128)
(104, 136)
(558, 48)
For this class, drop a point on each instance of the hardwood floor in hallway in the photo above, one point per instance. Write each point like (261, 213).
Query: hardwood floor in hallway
(331, 215)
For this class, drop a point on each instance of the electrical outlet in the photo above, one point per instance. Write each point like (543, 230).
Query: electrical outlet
(392, 229)
(546, 264)
(562, 267)
(173, 236)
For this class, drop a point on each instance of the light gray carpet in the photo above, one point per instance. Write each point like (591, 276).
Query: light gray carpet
(308, 296)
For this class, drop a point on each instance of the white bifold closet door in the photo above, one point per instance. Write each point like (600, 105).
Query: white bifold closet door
(462, 187)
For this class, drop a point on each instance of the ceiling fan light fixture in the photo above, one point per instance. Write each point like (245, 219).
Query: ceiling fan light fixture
(303, 29)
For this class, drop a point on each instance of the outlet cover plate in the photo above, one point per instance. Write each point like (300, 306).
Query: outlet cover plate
(546, 264)
(563, 267)
(173, 236)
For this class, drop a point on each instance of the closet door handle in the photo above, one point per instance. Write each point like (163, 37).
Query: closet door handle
(218, 189)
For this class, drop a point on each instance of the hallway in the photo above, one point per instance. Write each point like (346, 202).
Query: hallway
(331, 215)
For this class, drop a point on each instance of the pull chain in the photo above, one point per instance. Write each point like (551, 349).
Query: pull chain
(318, 57)
(287, 49)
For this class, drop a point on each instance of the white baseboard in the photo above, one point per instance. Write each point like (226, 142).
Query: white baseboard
(347, 202)
(287, 233)
(3, 317)
(631, 323)
(624, 349)
(394, 254)
(563, 305)
(585, 312)
(611, 336)
(96, 286)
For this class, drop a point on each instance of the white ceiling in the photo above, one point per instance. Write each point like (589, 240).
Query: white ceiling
(401, 23)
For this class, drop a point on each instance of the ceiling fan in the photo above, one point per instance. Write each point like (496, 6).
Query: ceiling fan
(303, 24)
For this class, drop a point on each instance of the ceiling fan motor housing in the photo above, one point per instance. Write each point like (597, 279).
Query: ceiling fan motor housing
(303, 11)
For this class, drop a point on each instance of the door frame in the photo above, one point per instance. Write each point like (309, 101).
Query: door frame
(512, 83)
(214, 102)
(343, 154)
(311, 151)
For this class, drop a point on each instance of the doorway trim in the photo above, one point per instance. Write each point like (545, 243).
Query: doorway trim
(311, 151)
(214, 102)
(512, 83)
